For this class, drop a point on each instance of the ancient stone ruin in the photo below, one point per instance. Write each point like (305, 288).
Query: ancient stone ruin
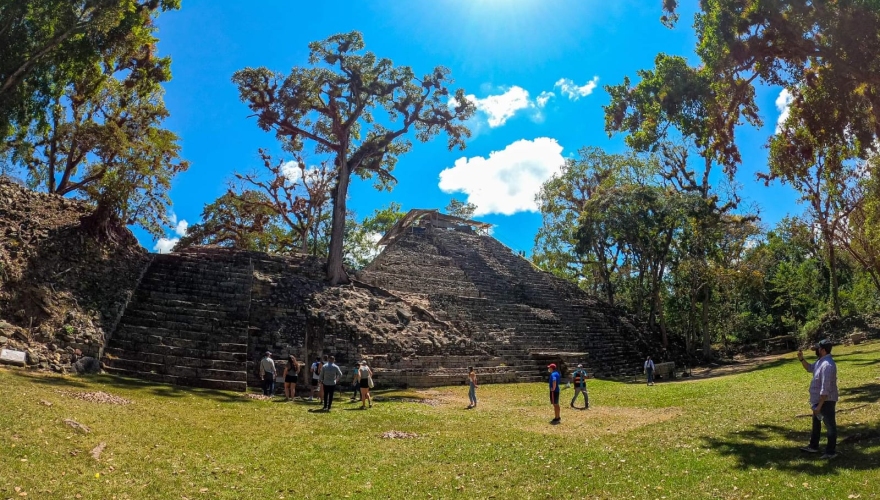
(436, 300)
(442, 296)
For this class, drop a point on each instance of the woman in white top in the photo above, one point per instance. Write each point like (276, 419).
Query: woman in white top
(365, 377)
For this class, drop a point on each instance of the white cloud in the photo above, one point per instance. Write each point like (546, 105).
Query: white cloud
(574, 92)
(783, 103)
(506, 182)
(181, 228)
(291, 171)
(543, 97)
(499, 108)
(164, 245)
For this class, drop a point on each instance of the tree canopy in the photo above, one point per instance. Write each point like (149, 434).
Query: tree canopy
(334, 105)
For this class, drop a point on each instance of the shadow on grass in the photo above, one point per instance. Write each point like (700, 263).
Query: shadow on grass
(758, 447)
(868, 393)
(116, 382)
(713, 371)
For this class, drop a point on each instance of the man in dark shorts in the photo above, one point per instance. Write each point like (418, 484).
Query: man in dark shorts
(554, 391)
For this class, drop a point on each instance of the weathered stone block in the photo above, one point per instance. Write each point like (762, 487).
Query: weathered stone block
(11, 357)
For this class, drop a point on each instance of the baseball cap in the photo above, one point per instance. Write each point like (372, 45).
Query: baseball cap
(580, 365)
(268, 352)
(823, 344)
(552, 365)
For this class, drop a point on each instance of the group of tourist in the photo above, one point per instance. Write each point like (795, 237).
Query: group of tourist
(326, 377)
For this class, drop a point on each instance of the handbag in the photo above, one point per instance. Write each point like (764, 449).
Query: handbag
(370, 382)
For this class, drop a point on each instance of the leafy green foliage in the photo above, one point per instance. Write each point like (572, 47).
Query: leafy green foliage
(82, 113)
(361, 238)
(242, 220)
(459, 208)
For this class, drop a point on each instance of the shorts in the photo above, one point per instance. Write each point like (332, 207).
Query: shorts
(365, 383)
(314, 382)
(291, 379)
(554, 397)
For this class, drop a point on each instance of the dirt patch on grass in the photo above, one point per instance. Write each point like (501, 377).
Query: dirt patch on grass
(399, 435)
(595, 422)
(99, 397)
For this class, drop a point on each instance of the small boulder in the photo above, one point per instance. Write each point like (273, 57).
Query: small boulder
(11, 357)
(87, 365)
(404, 316)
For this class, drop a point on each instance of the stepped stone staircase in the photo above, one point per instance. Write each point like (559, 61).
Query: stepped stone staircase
(187, 323)
(203, 317)
(524, 317)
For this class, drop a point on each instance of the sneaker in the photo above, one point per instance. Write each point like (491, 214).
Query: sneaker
(829, 456)
(810, 449)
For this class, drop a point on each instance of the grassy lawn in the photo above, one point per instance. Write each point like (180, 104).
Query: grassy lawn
(728, 437)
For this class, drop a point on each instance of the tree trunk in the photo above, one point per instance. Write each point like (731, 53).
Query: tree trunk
(832, 269)
(335, 272)
(707, 340)
(101, 225)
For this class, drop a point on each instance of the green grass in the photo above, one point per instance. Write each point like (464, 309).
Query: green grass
(728, 437)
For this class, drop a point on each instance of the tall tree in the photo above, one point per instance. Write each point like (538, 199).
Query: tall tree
(49, 44)
(824, 175)
(361, 238)
(674, 102)
(459, 208)
(333, 104)
(296, 193)
(245, 221)
(591, 257)
(823, 47)
(98, 134)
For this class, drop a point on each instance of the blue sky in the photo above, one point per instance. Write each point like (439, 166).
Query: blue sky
(510, 55)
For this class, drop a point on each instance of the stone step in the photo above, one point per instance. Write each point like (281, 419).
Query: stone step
(217, 343)
(145, 295)
(185, 372)
(189, 325)
(218, 335)
(226, 385)
(185, 315)
(193, 362)
(238, 356)
(197, 309)
(160, 283)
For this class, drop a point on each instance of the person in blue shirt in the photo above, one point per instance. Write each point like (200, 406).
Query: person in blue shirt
(579, 381)
(554, 391)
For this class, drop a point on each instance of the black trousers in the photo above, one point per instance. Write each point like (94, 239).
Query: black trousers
(328, 395)
(830, 419)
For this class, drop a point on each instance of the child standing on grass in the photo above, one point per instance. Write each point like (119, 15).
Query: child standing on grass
(555, 377)
(472, 389)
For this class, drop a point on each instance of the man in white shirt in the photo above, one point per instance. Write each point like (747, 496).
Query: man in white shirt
(330, 376)
(823, 398)
(649, 370)
(267, 374)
